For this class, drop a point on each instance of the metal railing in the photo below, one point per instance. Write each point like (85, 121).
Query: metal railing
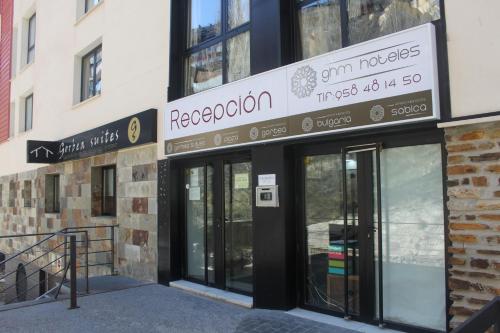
(41, 257)
(488, 318)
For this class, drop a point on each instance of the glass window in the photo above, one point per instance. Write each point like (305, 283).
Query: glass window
(52, 194)
(27, 193)
(195, 218)
(321, 22)
(238, 12)
(369, 19)
(108, 191)
(319, 27)
(31, 39)
(28, 113)
(238, 57)
(204, 69)
(91, 73)
(204, 20)
(217, 53)
(89, 4)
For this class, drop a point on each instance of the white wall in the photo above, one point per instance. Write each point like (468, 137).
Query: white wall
(474, 55)
(135, 51)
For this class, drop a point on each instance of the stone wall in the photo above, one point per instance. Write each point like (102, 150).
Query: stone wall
(474, 220)
(136, 236)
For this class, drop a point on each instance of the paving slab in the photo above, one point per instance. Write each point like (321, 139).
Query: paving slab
(154, 308)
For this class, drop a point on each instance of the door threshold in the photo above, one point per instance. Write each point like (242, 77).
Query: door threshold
(339, 322)
(214, 293)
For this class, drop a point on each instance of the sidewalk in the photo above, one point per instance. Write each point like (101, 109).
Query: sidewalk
(154, 308)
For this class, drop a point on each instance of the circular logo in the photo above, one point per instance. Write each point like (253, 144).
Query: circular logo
(307, 124)
(170, 148)
(254, 133)
(304, 81)
(217, 139)
(377, 113)
(134, 130)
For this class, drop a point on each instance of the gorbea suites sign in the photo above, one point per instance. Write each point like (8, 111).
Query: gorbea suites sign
(392, 79)
(131, 131)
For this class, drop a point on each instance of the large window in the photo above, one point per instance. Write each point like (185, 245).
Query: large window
(104, 191)
(52, 194)
(28, 113)
(31, 39)
(91, 73)
(218, 43)
(327, 25)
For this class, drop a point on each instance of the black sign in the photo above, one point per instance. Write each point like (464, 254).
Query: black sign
(128, 132)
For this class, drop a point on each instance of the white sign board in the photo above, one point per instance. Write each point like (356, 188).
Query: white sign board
(388, 80)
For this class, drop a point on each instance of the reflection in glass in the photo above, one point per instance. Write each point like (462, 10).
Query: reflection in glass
(210, 226)
(195, 220)
(320, 28)
(413, 236)
(238, 226)
(370, 19)
(325, 231)
(204, 20)
(108, 197)
(238, 57)
(238, 13)
(204, 69)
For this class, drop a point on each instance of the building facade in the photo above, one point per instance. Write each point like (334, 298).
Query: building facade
(338, 156)
(78, 144)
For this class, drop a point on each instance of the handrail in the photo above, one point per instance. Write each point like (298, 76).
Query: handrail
(34, 255)
(482, 321)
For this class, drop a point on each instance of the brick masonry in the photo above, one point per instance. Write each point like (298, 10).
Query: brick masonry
(136, 237)
(474, 220)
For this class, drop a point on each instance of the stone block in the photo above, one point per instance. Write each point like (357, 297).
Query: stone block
(470, 239)
(468, 226)
(480, 181)
(461, 148)
(456, 159)
(152, 206)
(132, 253)
(479, 263)
(140, 237)
(140, 205)
(493, 168)
(461, 169)
(124, 175)
(473, 135)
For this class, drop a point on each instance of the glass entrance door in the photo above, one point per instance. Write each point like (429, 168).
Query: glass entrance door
(218, 224)
(339, 232)
(374, 235)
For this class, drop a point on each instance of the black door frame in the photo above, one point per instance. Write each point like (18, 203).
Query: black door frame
(382, 141)
(217, 162)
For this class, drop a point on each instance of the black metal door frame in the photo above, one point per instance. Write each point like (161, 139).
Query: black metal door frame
(217, 163)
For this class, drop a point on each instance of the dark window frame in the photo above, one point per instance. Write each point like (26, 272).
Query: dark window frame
(223, 37)
(56, 194)
(27, 126)
(103, 187)
(31, 43)
(83, 81)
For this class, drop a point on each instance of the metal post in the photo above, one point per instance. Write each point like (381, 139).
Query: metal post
(72, 259)
(379, 240)
(65, 250)
(113, 250)
(87, 261)
(346, 250)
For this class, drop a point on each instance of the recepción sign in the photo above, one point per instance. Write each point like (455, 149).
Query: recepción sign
(392, 79)
(131, 131)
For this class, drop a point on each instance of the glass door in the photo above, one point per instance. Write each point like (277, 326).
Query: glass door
(339, 232)
(218, 224)
(374, 234)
